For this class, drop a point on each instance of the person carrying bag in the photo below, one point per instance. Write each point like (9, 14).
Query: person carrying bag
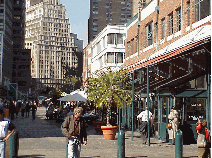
(203, 141)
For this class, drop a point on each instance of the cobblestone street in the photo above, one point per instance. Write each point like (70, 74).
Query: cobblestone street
(43, 138)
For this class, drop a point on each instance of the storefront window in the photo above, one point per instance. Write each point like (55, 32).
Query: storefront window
(195, 109)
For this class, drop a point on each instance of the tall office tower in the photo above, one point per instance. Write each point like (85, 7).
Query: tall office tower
(6, 47)
(47, 34)
(21, 57)
(109, 12)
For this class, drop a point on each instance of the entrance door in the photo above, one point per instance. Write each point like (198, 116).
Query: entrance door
(162, 117)
(196, 109)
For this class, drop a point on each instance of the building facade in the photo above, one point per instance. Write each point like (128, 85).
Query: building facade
(6, 42)
(168, 52)
(21, 72)
(109, 12)
(47, 34)
(106, 50)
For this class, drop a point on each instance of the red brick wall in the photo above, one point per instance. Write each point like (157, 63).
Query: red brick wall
(165, 8)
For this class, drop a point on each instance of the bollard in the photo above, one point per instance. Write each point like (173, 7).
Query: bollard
(179, 144)
(66, 150)
(121, 144)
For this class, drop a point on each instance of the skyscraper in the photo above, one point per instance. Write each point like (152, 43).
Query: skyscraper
(47, 34)
(6, 42)
(21, 74)
(109, 12)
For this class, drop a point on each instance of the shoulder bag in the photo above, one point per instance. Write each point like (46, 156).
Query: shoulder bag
(169, 125)
(201, 141)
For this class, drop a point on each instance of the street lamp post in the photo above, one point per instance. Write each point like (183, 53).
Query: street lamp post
(148, 105)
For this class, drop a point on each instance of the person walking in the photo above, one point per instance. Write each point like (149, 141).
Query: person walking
(12, 109)
(34, 108)
(143, 127)
(17, 108)
(74, 130)
(173, 119)
(6, 126)
(27, 109)
(203, 152)
(23, 108)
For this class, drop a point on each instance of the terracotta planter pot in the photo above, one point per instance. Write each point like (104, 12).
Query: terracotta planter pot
(109, 132)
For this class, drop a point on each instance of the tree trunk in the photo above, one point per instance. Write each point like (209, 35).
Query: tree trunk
(108, 115)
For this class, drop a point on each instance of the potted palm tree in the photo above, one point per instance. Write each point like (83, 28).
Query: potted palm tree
(108, 88)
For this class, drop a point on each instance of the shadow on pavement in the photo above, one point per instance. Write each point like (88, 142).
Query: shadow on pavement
(32, 156)
(136, 157)
(38, 128)
(90, 157)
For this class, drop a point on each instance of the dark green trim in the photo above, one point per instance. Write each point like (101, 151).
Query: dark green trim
(131, 20)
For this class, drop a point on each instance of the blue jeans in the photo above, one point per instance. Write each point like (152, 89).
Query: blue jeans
(2, 149)
(74, 148)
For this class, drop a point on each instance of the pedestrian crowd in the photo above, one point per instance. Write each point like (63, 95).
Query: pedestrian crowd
(13, 107)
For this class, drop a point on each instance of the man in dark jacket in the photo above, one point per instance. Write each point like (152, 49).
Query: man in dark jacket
(74, 129)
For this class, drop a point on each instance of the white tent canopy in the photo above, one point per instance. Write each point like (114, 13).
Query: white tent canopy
(75, 96)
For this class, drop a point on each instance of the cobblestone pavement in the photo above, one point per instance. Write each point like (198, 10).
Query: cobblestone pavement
(43, 138)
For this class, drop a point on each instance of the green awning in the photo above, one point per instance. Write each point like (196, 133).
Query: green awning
(193, 93)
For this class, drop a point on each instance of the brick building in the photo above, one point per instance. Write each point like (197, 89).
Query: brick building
(168, 52)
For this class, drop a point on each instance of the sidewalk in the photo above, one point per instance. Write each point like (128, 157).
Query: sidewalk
(41, 138)
(98, 147)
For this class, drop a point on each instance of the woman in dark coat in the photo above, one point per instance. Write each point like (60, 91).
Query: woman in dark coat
(27, 109)
(12, 109)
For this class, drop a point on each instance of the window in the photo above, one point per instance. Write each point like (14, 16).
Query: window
(128, 15)
(95, 13)
(94, 29)
(122, 20)
(95, 24)
(178, 20)
(188, 13)
(114, 38)
(149, 37)
(132, 47)
(170, 24)
(163, 28)
(123, 3)
(95, 1)
(202, 9)
(110, 57)
(122, 15)
(119, 57)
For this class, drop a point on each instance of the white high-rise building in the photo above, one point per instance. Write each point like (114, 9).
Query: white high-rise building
(47, 34)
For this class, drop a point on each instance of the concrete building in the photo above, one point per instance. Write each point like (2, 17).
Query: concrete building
(6, 48)
(47, 34)
(106, 50)
(21, 74)
(168, 52)
(109, 12)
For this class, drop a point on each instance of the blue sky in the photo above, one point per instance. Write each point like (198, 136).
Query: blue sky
(78, 13)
